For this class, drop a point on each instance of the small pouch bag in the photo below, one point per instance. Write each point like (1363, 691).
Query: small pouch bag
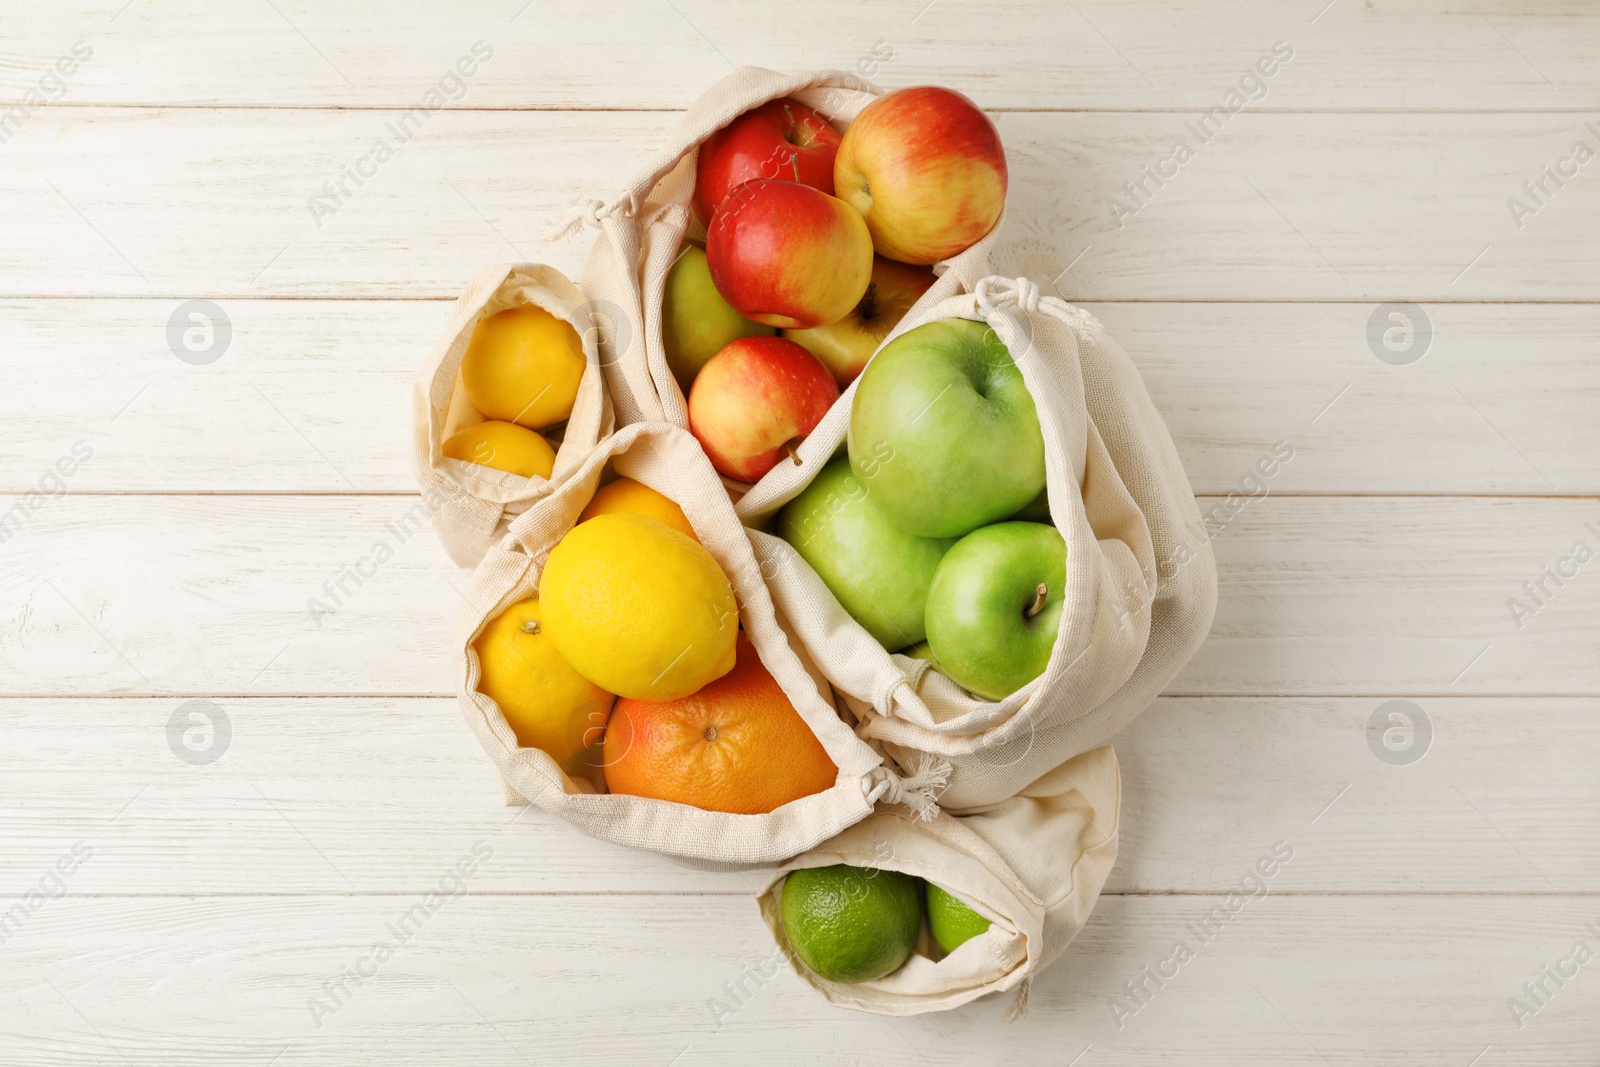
(670, 461)
(1032, 865)
(471, 504)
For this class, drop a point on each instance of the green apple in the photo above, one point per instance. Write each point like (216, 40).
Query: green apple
(995, 605)
(879, 573)
(695, 321)
(943, 431)
(1035, 510)
(951, 922)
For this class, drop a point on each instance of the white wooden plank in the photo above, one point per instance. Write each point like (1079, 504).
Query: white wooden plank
(214, 596)
(1344, 207)
(1484, 795)
(1497, 401)
(377, 795)
(303, 377)
(629, 980)
(1394, 596)
(290, 796)
(563, 54)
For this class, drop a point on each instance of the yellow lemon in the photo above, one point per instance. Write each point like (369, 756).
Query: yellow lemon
(523, 365)
(639, 608)
(625, 495)
(505, 446)
(549, 705)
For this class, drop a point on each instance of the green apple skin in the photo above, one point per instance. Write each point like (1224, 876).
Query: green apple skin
(1035, 510)
(951, 922)
(695, 321)
(978, 626)
(943, 431)
(879, 573)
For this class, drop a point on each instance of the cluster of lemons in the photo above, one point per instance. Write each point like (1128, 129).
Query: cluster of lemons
(521, 372)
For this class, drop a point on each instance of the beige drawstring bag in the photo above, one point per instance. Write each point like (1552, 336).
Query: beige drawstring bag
(642, 231)
(670, 461)
(1119, 496)
(471, 504)
(1033, 865)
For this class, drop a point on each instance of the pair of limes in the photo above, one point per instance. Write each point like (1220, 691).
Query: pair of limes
(856, 924)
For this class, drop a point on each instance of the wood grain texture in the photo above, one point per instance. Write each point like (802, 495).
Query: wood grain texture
(328, 796)
(1343, 207)
(313, 395)
(1383, 561)
(625, 980)
(1092, 54)
(226, 595)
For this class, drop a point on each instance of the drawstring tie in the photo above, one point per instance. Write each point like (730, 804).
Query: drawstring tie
(589, 213)
(918, 790)
(1019, 1006)
(995, 294)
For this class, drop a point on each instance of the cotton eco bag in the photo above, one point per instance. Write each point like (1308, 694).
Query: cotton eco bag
(670, 461)
(643, 230)
(471, 504)
(1033, 865)
(1139, 596)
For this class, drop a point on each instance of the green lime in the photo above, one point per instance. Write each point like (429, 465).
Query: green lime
(851, 924)
(951, 922)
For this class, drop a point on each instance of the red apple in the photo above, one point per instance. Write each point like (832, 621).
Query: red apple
(925, 167)
(845, 346)
(755, 400)
(788, 255)
(780, 139)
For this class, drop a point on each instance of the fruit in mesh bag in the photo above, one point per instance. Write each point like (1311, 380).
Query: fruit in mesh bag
(627, 495)
(504, 446)
(879, 573)
(851, 924)
(951, 922)
(926, 168)
(737, 745)
(845, 346)
(548, 705)
(788, 255)
(943, 431)
(755, 401)
(639, 608)
(994, 606)
(523, 365)
(779, 139)
(696, 322)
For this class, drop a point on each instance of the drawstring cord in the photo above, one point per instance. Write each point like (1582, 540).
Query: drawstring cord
(918, 790)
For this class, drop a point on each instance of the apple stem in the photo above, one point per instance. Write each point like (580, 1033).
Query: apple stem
(869, 302)
(1040, 593)
(791, 448)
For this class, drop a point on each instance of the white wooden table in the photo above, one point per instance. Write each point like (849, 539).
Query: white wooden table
(211, 905)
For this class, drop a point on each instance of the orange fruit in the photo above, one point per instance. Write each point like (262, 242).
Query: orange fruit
(625, 494)
(737, 745)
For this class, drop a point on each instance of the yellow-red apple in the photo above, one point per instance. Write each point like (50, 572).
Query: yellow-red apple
(925, 167)
(846, 345)
(781, 139)
(755, 400)
(788, 255)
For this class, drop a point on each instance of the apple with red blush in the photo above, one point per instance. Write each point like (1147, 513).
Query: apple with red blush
(781, 139)
(755, 401)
